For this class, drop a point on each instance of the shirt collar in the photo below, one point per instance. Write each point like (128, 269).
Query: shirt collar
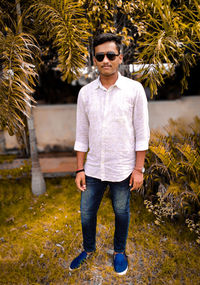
(118, 83)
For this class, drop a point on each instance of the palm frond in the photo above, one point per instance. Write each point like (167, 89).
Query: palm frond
(169, 36)
(67, 27)
(18, 78)
(173, 189)
(190, 154)
(166, 156)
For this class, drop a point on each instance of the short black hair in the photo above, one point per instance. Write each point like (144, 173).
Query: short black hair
(107, 37)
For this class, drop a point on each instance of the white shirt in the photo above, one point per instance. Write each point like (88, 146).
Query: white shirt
(113, 124)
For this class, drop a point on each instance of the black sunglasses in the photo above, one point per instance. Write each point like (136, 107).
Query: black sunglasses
(110, 55)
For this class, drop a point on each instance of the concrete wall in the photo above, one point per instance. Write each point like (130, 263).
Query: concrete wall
(55, 124)
(185, 108)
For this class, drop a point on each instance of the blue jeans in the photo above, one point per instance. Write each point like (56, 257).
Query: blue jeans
(90, 202)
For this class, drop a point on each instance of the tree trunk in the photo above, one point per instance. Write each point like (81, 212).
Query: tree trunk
(2, 142)
(38, 185)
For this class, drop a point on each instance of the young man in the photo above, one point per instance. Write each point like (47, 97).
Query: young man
(112, 123)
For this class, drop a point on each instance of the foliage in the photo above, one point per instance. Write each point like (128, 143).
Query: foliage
(111, 16)
(166, 34)
(194, 227)
(41, 235)
(169, 33)
(172, 180)
(18, 79)
(100, 14)
(63, 23)
(162, 208)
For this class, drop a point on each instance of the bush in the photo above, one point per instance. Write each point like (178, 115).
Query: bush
(172, 179)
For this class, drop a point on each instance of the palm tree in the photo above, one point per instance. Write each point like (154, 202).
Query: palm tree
(38, 185)
(64, 24)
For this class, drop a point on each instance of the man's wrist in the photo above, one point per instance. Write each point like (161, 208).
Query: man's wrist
(80, 170)
(140, 169)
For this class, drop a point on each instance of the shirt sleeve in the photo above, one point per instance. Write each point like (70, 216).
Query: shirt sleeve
(82, 125)
(141, 120)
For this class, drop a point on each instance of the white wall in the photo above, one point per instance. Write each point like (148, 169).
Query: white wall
(161, 111)
(55, 124)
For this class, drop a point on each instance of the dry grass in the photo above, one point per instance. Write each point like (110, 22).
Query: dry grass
(40, 236)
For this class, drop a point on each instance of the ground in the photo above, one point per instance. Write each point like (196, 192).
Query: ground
(39, 236)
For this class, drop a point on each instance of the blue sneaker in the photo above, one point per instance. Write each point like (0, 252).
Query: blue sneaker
(79, 260)
(120, 263)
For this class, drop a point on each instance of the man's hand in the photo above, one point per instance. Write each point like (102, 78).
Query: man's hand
(136, 180)
(80, 181)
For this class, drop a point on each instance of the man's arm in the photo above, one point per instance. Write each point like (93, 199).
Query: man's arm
(81, 143)
(80, 176)
(142, 134)
(136, 179)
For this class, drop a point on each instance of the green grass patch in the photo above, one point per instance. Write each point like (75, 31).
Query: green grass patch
(39, 236)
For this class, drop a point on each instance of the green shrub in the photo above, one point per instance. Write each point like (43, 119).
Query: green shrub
(172, 179)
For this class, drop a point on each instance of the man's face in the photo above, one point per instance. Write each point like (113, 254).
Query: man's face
(107, 67)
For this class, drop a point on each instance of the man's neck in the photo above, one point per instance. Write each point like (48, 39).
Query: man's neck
(108, 81)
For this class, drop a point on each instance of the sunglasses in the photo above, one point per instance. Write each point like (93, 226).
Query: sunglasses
(110, 55)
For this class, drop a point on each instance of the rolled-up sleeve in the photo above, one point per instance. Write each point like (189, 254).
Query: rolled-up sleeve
(82, 125)
(141, 121)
